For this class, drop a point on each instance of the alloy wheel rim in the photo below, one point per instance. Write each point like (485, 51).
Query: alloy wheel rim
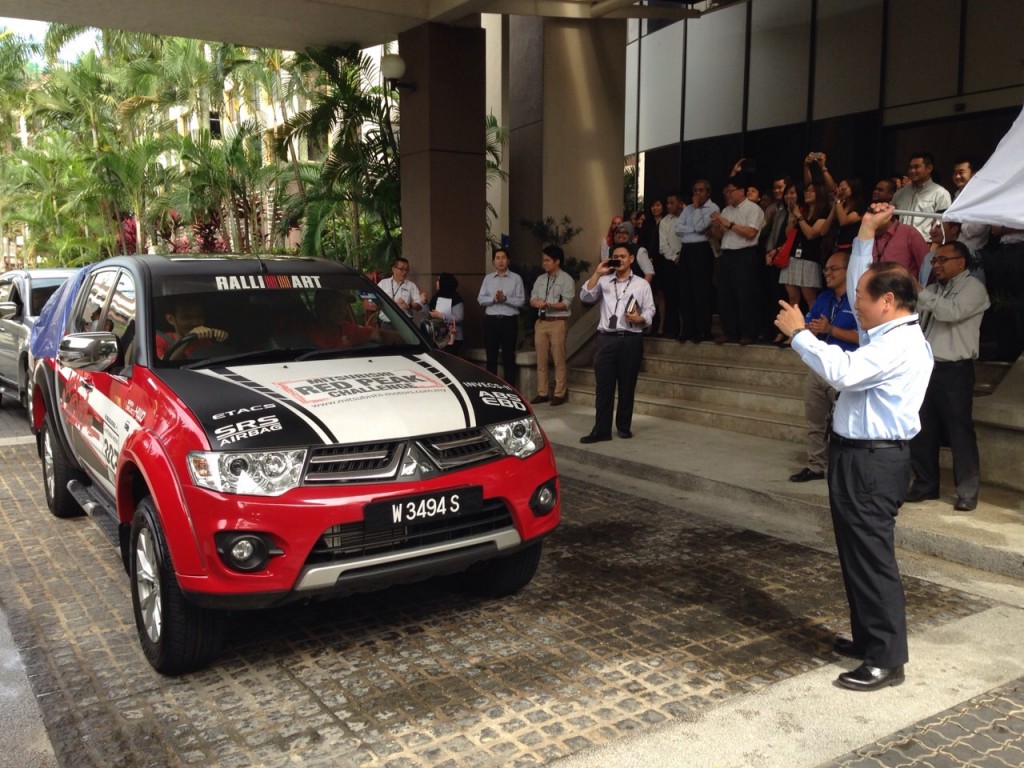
(147, 583)
(48, 464)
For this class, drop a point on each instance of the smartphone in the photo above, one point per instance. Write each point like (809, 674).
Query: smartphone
(614, 263)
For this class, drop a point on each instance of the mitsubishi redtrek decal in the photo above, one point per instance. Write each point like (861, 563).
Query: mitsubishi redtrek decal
(350, 400)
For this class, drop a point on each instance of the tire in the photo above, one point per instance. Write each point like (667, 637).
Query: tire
(176, 636)
(506, 575)
(57, 472)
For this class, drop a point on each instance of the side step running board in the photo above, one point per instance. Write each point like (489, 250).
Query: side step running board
(95, 509)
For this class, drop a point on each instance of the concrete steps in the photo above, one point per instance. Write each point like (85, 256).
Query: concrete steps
(755, 390)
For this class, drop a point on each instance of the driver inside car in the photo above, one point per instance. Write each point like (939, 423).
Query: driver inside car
(186, 318)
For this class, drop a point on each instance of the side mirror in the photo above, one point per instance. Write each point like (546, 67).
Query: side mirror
(8, 309)
(427, 329)
(94, 351)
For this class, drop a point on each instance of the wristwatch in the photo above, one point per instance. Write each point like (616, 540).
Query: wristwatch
(794, 333)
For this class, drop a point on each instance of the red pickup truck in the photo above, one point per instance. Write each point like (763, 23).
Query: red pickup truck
(252, 431)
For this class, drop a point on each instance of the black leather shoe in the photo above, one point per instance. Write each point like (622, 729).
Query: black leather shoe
(625, 434)
(868, 678)
(965, 505)
(806, 474)
(845, 647)
(556, 400)
(914, 496)
(539, 399)
(592, 438)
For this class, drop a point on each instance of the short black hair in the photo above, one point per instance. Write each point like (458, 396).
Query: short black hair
(399, 260)
(970, 160)
(961, 250)
(889, 277)
(928, 158)
(501, 249)
(554, 252)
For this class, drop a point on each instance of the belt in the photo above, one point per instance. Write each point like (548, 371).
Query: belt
(502, 317)
(638, 334)
(870, 445)
(551, 319)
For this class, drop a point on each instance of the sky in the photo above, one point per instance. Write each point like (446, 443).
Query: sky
(37, 29)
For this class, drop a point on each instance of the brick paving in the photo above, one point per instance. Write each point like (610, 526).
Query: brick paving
(986, 731)
(640, 614)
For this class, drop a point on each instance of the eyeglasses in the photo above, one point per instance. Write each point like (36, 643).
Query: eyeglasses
(833, 269)
(944, 259)
(401, 269)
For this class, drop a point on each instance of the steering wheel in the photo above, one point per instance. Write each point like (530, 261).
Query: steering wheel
(188, 338)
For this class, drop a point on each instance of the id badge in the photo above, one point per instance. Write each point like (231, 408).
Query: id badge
(613, 322)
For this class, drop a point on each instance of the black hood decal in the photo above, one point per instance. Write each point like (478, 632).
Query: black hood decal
(237, 413)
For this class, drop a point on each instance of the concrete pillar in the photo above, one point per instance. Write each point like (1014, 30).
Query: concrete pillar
(567, 90)
(442, 157)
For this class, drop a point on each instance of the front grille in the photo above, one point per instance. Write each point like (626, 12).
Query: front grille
(351, 541)
(459, 449)
(348, 463)
(375, 462)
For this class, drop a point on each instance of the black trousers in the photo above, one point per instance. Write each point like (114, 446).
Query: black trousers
(696, 267)
(947, 410)
(865, 489)
(617, 360)
(737, 292)
(667, 279)
(501, 331)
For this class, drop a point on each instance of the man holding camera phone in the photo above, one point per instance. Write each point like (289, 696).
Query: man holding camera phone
(627, 308)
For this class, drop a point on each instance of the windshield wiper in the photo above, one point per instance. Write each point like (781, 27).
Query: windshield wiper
(274, 353)
(390, 349)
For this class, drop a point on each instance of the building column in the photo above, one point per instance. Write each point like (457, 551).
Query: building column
(442, 160)
(567, 91)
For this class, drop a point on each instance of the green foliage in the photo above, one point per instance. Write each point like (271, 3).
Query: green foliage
(551, 232)
(120, 143)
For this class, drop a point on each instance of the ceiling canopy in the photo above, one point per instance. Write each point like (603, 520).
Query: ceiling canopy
(298, 24)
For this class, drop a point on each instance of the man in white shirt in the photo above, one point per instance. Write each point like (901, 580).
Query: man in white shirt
(552, 298)
(881, 387)
(669, 245)
(696, 265)
(973, 235)
(627, 308)
(402, 290)
(502, 296)
(921, 194)
(738, 225)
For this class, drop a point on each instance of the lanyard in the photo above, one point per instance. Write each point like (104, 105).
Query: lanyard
(620, 296)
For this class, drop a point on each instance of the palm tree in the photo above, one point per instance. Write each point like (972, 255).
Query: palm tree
(362, 162)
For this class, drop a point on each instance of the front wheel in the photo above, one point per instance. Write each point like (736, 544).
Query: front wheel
(57, 473)
(176, 636)
(506, 575)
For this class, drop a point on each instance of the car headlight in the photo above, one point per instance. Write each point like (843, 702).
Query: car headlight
(519, 438)
(259, 473)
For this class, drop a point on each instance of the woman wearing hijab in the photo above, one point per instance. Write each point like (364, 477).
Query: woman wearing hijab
(451, 309)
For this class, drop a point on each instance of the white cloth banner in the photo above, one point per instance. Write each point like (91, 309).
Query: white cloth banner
(995, 194)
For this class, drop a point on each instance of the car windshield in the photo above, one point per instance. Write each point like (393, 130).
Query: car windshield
(206, 319)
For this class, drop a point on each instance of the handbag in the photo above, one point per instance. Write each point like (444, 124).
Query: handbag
(781, 257)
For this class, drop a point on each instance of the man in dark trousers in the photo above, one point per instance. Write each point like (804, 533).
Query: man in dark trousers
(502, 296)
(881, 386)
(627, 308)
(951, 312)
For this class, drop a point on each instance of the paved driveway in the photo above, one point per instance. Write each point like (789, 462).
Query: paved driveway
(642, 615)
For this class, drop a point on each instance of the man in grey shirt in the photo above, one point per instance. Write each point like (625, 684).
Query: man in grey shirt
(921, 194)
(951, 311)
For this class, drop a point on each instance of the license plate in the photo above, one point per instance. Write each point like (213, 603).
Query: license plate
(423, 507)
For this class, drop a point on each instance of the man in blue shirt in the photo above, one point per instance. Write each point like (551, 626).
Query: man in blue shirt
(830, 319)
(881, 386)
(502, 296)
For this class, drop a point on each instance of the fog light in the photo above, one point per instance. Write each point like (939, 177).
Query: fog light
(245, 552)
(544, 499)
